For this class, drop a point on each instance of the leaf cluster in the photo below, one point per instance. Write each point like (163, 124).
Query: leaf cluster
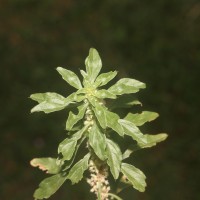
(94, 123)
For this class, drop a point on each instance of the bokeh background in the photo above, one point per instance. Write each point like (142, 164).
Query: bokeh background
(157, 42)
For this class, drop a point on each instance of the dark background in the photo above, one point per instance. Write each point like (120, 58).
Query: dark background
(157, 42)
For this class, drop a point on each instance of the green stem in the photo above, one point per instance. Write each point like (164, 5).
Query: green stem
(115, 196)
(99, 191)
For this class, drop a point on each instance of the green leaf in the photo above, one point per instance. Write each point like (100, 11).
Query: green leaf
(79, 133)
(67, 148)
(114, 156)
(140, 119)
(125, 101)
(76, 172)
(126, 86)
(49, 186)
(107, 118)
(104, 78)
(112, 122)
(97, 141)
(103, 94)
(73, 119)
(93, 64)
(151, 140)
(70, 77)
(49, 165)
(135, 176)
(100, 113)
(49, 102)
(67, 164)
(132, 130)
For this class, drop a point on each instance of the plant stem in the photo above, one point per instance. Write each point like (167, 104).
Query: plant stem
(115, 196)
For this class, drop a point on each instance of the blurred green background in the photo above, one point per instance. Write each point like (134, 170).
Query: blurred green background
(157, 42)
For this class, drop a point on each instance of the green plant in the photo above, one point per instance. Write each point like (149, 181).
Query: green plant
(94, 125)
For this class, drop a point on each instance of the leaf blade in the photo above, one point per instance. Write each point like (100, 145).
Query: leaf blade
(76, 172)
(103, 94)
(73, 119)
(114, 156)
(97, 141)
(151, 140)
(132, 130)
(104, 78)
(49, 186)
(140, 118)
(135, 176)
(48, 102)
(70, 77)
(93, 64)
(126, 86)
(46, 164)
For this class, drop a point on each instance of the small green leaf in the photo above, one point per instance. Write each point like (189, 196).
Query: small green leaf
(40, 97)
(93, 64)
(135, 176)
(70, 77)
(76, 172)
(100, 113)
(68, 163)
(114, 156)
(97, 141)
(49, 165)
(67, 148)
(140, 119)
(107, 118)
(104, 78)
(103, 94)
(49, 102)
(126, 86)
(49, 186)
(79, 133)
(73, 119)
(125, 101)
(112, 122)
(132, 130)
(151, 140)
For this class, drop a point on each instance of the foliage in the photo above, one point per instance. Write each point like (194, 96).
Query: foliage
(94, 125)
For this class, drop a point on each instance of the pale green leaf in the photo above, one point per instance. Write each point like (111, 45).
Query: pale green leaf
(135, 176)
(49, 102)
(97, 141)
(132, 130)
(49, 186)
(107, 118)
(79, 133)
(93, 64)
(73, 119)
(151, 140)
(67, 148)
(70, 77)
(76, 172)
(125, 101)
(114, 156)
(103, 94)
(100, 113)
(49, 165)
(112, 122)
(68, 163)
(140, 118)
(126, 86)
(104, 78)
